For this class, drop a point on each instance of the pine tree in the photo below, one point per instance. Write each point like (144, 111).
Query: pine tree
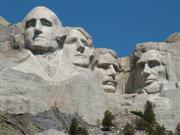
(178, 129)
(170, 133)
(149, 115)
(107, 121)
(149, 118)
(128, 129)
(85, 131)
(73, 127)
(159, 130)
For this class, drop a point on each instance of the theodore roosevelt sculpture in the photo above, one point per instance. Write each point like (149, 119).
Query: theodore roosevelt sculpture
(105, 68)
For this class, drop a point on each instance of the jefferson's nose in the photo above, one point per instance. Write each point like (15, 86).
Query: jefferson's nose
(80, 47)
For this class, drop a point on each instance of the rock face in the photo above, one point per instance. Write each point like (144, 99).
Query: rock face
(154, 73)
(3, 22)
(45, 65)
(51, 132)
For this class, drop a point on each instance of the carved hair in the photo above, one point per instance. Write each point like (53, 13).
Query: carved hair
(147, 46)
(56, 19)
(101, 51)
(67, 31)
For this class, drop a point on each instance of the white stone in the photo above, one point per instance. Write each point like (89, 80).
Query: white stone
(105, 69)
(51, 132)
(42, 27)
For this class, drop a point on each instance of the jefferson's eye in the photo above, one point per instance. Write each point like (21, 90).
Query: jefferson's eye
(84, 43)
(30, 23)
(70, 40)
(45, 22)
(153, 63)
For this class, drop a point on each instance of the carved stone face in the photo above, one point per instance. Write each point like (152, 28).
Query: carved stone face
(106, 70)
(41, 26)
(77, 50)
(152, 70)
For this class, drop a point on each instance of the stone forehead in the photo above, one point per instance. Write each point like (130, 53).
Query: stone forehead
(76, 33)
(69, 30)
(107, 58)
(103, 55)
(100, 52)
(151, 55)
(43, 12)
(144, 47)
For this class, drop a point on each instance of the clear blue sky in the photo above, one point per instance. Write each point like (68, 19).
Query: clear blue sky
(115, 24)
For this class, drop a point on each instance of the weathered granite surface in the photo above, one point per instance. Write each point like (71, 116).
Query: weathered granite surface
(3, 22)
(40, 70)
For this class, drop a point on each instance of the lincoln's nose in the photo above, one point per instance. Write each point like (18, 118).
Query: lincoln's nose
(147, 71)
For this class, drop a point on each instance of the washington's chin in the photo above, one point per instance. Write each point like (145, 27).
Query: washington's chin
(109, 88)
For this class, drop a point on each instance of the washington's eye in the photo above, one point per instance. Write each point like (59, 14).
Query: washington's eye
(45, 22)
(30, 23)
(153, 63)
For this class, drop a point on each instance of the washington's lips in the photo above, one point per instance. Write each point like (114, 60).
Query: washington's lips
(39, 38)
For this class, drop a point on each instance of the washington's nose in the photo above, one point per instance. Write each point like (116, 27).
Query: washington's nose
(37, 32)
(37, 29)
(38, 25)
(80, 47)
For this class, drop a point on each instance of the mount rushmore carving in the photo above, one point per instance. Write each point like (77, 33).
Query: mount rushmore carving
(44, 64)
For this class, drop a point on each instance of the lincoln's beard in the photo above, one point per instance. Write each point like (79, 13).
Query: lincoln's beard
(153, 88)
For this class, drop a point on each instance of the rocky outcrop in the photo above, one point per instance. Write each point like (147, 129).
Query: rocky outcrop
(48, 84)
(3, 22)
(173, 37)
